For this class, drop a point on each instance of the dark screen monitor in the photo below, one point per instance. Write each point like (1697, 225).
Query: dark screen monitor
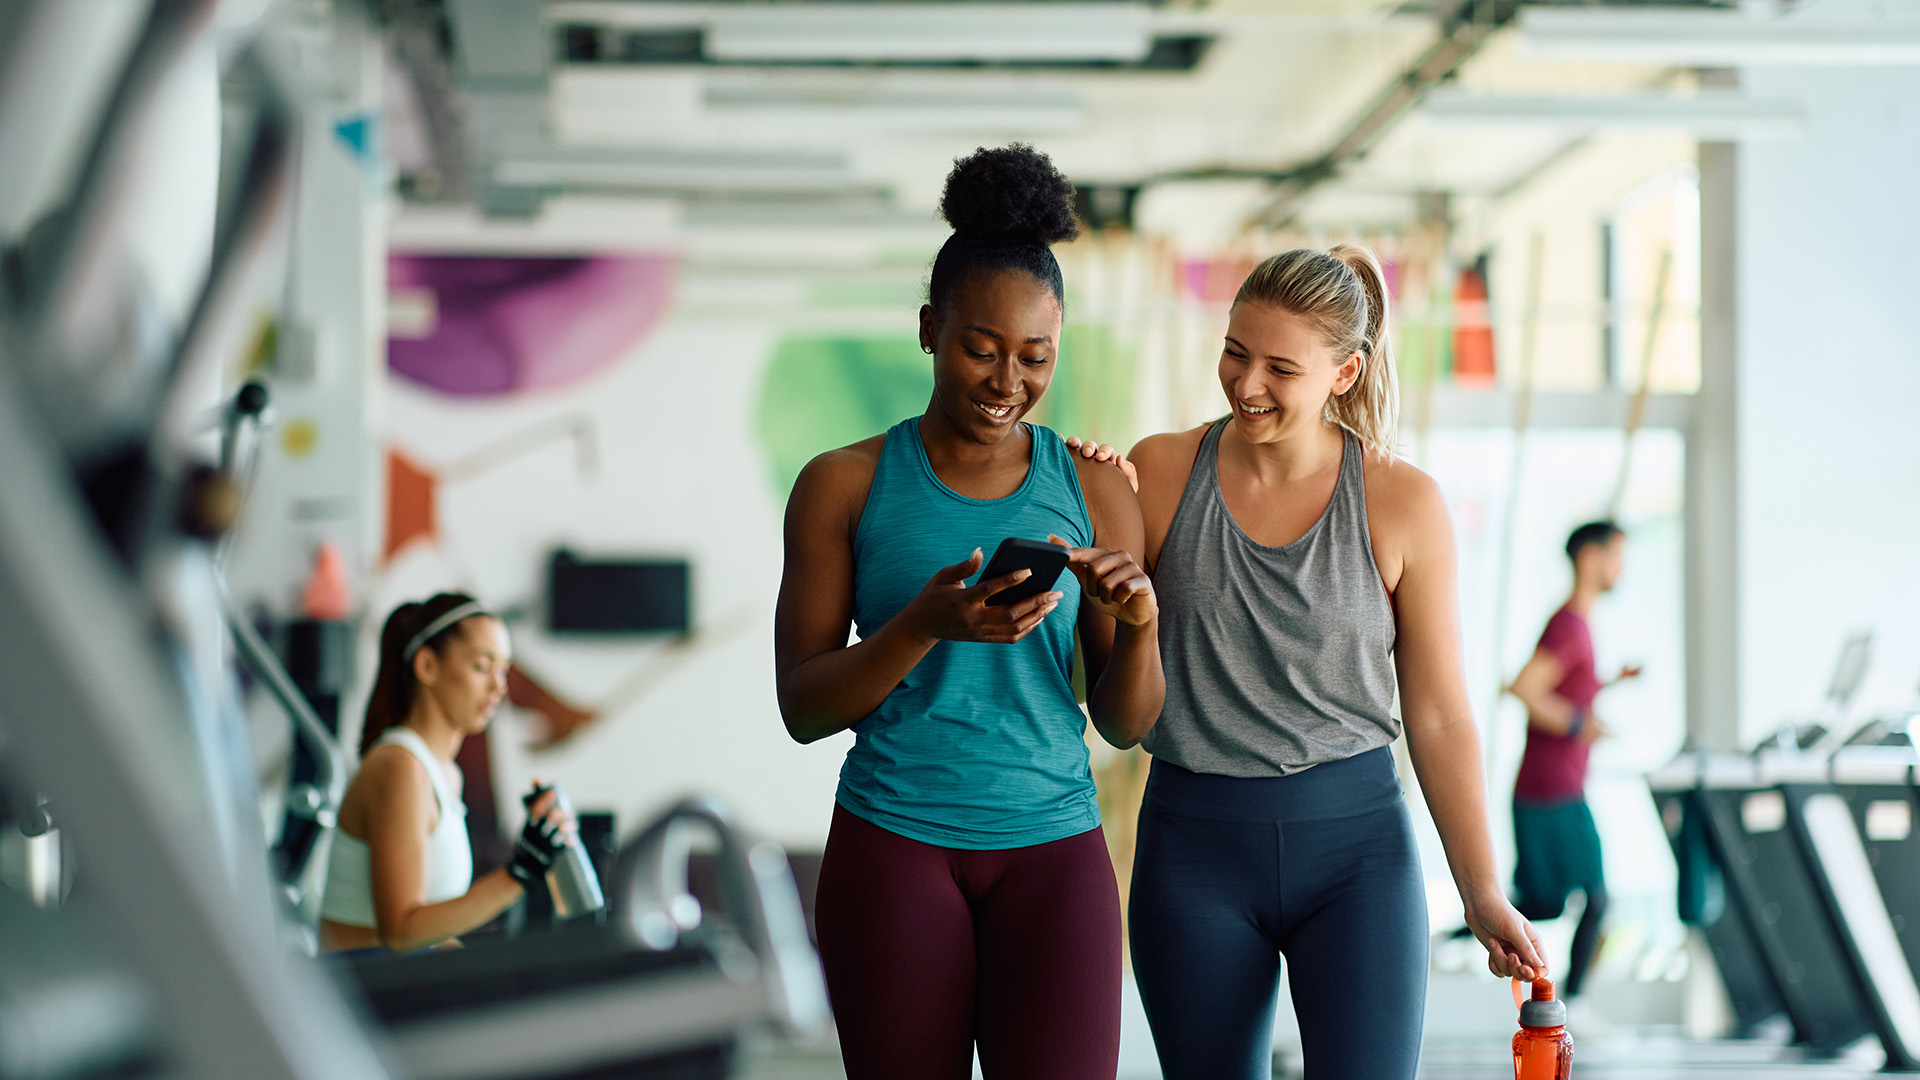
(616, 596)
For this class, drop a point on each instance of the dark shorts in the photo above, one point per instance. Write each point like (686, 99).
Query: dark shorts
(1558, 851)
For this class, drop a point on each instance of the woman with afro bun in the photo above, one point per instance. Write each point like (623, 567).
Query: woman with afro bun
(966, 896)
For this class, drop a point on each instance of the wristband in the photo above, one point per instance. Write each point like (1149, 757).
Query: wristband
(1579, 718)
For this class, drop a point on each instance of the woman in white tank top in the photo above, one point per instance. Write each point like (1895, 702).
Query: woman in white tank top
(400, 873)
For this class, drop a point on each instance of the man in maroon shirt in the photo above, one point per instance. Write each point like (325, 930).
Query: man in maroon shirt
(1553, 832)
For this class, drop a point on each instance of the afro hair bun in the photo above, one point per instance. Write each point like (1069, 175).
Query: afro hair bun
(1009, 194)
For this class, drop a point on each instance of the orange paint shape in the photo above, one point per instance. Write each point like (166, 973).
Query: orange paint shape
(412, 491)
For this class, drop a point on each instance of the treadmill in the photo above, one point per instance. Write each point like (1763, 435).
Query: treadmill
(1748, 981)
(660, 992)
(1740, 885)
(1836, 862)
(1877, 780)
(1774, 924)
(1787, 833)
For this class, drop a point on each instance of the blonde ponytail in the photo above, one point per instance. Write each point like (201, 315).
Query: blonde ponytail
(1342, 293)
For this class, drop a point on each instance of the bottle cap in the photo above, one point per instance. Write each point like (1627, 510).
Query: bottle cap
(1543, 1011)
(327, 596)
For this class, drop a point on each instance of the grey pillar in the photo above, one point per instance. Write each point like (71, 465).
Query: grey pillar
(1712, 477)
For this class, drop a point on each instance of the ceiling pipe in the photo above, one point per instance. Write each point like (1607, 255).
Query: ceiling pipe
(1464, 30)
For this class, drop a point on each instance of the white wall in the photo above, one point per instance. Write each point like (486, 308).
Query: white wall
(680, 475)
(1828, 391)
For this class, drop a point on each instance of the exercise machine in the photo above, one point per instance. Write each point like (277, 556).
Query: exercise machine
(1784, 870)
(118, 718)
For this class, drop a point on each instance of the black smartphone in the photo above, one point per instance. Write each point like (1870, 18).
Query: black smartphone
(1045, 560)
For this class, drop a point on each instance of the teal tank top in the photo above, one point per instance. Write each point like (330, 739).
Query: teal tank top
(981, 746)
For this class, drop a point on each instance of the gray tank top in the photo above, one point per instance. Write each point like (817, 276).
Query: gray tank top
(1277, 658)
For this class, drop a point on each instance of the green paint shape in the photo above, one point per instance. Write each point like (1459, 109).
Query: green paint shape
(1092, 390)
(821, 393)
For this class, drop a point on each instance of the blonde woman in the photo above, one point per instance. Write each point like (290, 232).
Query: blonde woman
(1303, 574)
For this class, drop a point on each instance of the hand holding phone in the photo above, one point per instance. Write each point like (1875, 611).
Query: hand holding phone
(948, 609)
(1042, 561)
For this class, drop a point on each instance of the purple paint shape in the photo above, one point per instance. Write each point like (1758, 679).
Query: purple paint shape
(509, 324)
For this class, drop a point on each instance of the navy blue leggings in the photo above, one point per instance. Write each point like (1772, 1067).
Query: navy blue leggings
(1320, 867)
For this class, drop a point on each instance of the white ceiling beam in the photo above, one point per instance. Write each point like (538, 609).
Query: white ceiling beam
(900, 108)
(676, 169)
(1707, 115)
(931, 32)
(1493, 408)
(881, 31)
(667, 14)
(1716, 39)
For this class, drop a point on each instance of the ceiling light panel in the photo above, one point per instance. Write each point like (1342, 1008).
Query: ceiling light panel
(676, 169)
(929, 33)
(1715, 39)
(1708, 115)
(904, 108)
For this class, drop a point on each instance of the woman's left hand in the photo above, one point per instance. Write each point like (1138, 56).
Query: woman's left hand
(1513, 947)
(1113, 582)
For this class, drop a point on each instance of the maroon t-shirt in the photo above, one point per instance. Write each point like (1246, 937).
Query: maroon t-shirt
(1554, 768)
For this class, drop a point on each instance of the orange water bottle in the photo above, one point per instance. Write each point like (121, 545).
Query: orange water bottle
(1542, 1050)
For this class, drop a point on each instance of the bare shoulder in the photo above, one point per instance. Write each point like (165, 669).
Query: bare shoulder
(389, 770)
(1400, 492)
(1164, 461)
(1170, 448)
(1407, 517)
(390, 782)
(846, 465)
(836, 482)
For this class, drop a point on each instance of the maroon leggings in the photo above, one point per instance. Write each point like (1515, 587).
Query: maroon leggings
(928, 950)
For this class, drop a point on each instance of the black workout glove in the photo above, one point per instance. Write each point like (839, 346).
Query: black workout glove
(540, 843)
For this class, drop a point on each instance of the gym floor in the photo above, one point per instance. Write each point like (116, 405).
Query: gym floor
(1624, 1031)
(1615, 1056)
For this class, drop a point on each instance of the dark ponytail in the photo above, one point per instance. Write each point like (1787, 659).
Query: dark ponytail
(1006, 206)
(393, 682)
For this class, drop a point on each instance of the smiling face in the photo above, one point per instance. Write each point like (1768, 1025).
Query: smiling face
(466, 680)
(1278, 372)
(993, 351)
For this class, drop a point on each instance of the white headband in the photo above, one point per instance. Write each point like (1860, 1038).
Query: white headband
(471, 607)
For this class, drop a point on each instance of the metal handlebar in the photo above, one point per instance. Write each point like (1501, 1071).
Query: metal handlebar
(761, 899)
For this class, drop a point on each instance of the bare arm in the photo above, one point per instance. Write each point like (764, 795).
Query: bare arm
(1534, 685)
(1119, 618)
(1441, 736)
(399, 821)
(826, 685)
